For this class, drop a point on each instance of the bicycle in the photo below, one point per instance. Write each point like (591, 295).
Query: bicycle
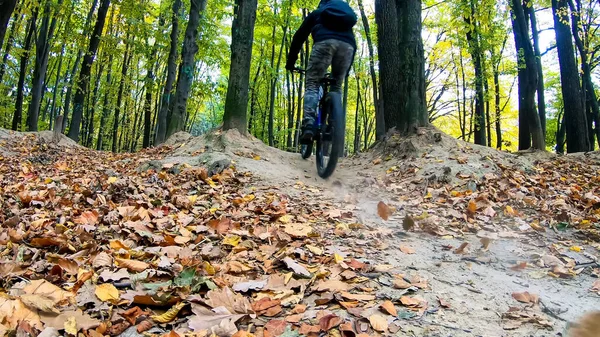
(330, 129)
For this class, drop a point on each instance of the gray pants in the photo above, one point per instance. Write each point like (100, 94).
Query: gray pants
(332, 52)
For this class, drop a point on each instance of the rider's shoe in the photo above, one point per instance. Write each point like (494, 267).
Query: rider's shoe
(307, 135)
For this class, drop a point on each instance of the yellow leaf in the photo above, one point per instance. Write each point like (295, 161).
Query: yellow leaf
(509, 211)
(211, 183)
(379, 323)
(285, 219)
(112, 180)
(249, 197)
(575, 248)
(170, 314)
(287, 278)
(232, 240)
(392, 169)
(192, 198)
(213, 210)
(210, 270)
(71, 326)
(315, 250)
(47, 181)
(107, 292)
(256, 157)
(428, 196)
(338, 258)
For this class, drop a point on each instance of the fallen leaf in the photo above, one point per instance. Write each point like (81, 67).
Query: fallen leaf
(233, 302)
(485, 243)
(410, 301)
(48, 290)
(472, 207)
(461, 249)
(40, 302)
(525, 297)
(401, 283)
(329, 322)
(170, 314)
(408, 223)
(519, 266)
(237, 267)
(12, 312)
(296, 267)
(596, 287)
(389, 307)
(298, 230)
(384, 210)
(144, 326)
(232, 240)
(102, 260)
(276, 327)
(84, 321)
(249, 285)
(132, 265)
(407, 250)
(358, 297)
(107, 292)
(299, 309)
(71, 327)
(379, 323)
(332, 285)
(444, 303)
(206, 319)
(306, 329)
(294, 318)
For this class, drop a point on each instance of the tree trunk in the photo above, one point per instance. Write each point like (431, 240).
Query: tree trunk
(477, 57)
(389, 60)
(161, 129)
(149, 88)
(497, 106)
(18, 115)
(274, 78)
(588, 84)
(105, 105)
(186, 70)
(379, 120)
(124, 68)
(6, 9)
(14, 29)
(528, 79)
(560, 133)
(541, 100)
(42, 50)
(356, 113)
(83, 82)
(254, 96)
(90, 125)
(242, 31)
(575, 119)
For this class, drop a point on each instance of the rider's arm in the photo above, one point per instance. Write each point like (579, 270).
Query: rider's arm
(301, 35)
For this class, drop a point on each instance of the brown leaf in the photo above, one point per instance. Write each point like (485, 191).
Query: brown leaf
(410, 301)
(349, 305)
(444, 303)
(400, 283)
(84, 321)
(299, 309)
(526, 297)
(407, 250)
(40, 302)
(519, 266)
(87, 218)
(379, 323)
(12, 312)
(132, 314)
(48, 290)
(264, 304)
(333, 285)
(234, 302)
(206, 319)
(273, 311)
(389, 307)
(102, 260)
(306, 329)
(408, 223)
(461, 249)
(298, 230)
(596, 287)
(144, 326)
(358, 297)
(384, 211)
(132, 265)
(485, 243)
(294, 318)
(276, 327)
(472, 208)
(237, 267)
(329, 322)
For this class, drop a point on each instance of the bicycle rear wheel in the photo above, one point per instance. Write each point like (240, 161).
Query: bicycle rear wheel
(306, 150)
(330, 139)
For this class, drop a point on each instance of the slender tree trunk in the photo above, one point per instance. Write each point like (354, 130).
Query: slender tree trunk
(242, 36)
(18, 115)
(477, 57)
(356, 113)
(561, 133)
(161, 130)
(541, 100)
(290, 108)
(149, 88)
(186, 71)
(14, 29)
(42, 49)
(6, 9)
(575, 118)
(124, 68)
(488, 119)
(56, 89)
(253, 95)
(379, 120)
(304, 55)
(105, 106)
(497, 106)
(83, 82)
(274, 79)
(94, 100)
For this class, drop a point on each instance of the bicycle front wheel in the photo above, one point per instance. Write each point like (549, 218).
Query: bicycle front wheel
(330, 139)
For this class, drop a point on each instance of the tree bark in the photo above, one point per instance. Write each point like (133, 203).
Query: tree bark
(105, 105)
(497, 107)
(528, 78)
(10, 42)
(274, 78)
(6, 9)
(541, 100)
(575, 118)
(379, 120)
(477, 57)
(83, 82)
(186, 70)
(150, 77)
(161, 130)
(18, 115)
(588, 84)
(124, 68)
(42, 50)
(242, 30)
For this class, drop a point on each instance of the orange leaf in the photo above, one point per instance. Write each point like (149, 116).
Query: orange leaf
(389, 307)
(410, 301)
(519, 266)
(384, 210)
(379, 323)
(132, 265)
(299, 309)
(461, 249)
(526, 297)
(407, 250)
(472, 208)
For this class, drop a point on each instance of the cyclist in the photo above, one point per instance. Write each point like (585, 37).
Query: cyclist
(333, 44)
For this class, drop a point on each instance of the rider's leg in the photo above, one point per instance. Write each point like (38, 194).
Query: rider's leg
(320, 59)
(342, 59)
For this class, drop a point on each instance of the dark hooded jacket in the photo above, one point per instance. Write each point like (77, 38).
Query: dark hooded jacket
(313, 25)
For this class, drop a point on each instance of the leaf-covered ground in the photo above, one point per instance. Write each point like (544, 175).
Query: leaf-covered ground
(128, 244)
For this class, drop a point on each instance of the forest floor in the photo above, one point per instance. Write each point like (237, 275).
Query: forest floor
(426, 236)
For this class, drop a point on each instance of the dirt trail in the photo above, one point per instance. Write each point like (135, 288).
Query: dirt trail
(475, 287)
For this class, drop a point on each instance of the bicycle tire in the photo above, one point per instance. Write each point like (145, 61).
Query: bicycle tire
(334, 121)
(306, 150)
